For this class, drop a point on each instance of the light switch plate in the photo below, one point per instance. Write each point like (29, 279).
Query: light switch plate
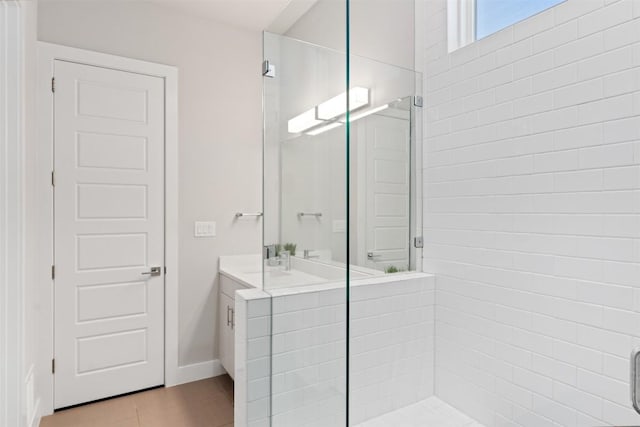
(204, 229)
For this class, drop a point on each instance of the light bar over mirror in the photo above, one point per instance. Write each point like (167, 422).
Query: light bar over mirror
(337, 106)
(323, 129)
(304, 121)
(329, 111)
(353, 118)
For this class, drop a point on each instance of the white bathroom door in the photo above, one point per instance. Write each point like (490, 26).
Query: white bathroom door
(109, 232)
(388, 191)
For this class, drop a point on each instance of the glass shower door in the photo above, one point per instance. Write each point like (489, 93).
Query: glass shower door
(305, 225)
(341, 218)
(390, 304)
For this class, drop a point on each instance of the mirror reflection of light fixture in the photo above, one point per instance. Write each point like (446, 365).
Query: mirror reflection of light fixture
(323, 129)
(354, 117)
(304, 121)
(337, 106)
(329, 110)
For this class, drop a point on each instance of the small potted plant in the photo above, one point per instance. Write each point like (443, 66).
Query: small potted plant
(291, 248)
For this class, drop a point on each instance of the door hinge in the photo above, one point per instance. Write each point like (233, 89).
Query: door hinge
(165, 270)
(418, 242)
(53, 271)
(53, 178)
(53, 366)
(53, 84)
(418, 101)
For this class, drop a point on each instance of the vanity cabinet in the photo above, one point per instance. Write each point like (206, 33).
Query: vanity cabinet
(226, 322)
(227, 339)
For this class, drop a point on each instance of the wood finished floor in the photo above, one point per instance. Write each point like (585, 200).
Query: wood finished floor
(206, 403)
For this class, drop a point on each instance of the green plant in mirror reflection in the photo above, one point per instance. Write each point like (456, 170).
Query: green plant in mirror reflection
(390, 269)
(291, 247)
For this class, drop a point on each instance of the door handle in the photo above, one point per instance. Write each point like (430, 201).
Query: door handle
(371, 255)
(154, 271)
(635, 379)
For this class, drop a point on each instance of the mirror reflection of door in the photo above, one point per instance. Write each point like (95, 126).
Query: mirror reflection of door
(384, 186)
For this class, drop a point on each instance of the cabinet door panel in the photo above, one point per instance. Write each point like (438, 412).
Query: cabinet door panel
(226, 342)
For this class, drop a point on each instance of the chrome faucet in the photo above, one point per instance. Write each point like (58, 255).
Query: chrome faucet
(270, 255)
(307, 254)
(285, 259)
(277, 258)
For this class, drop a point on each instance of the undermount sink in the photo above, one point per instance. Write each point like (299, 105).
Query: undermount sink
(272, 273)
(277, 273)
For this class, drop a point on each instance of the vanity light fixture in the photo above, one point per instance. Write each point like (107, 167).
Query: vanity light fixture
(329, 111)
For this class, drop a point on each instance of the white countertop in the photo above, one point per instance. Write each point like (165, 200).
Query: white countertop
(305, 275)
(248, 270)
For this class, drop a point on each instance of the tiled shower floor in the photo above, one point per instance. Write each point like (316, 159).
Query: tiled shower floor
(431, 412)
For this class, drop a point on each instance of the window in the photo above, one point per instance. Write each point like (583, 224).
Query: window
(494, 15)
(471, 20)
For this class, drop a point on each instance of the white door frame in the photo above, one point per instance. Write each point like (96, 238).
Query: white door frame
(47, 54)
(12, 214)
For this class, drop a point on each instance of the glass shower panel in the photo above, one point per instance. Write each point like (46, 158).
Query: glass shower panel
(341, 212)
(390, 305)
(305, 230)
(305, 164)
(384, 171)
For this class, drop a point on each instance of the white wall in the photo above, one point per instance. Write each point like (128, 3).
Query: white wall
(379, 29)
(18, 345)
(532, 214)
(35, 374)
(219, 133)
(14, 71)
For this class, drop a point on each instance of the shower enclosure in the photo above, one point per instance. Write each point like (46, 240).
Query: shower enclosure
(350, 315)
(531, 209)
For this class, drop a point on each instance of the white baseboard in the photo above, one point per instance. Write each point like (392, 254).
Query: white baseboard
(198, 371)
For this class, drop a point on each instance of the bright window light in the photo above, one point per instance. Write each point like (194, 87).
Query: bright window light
(494, 15)
(471, 20)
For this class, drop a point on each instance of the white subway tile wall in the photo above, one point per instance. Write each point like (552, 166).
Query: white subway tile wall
(252, 402)
(392, 333)
(392, 345)
(532, 214)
